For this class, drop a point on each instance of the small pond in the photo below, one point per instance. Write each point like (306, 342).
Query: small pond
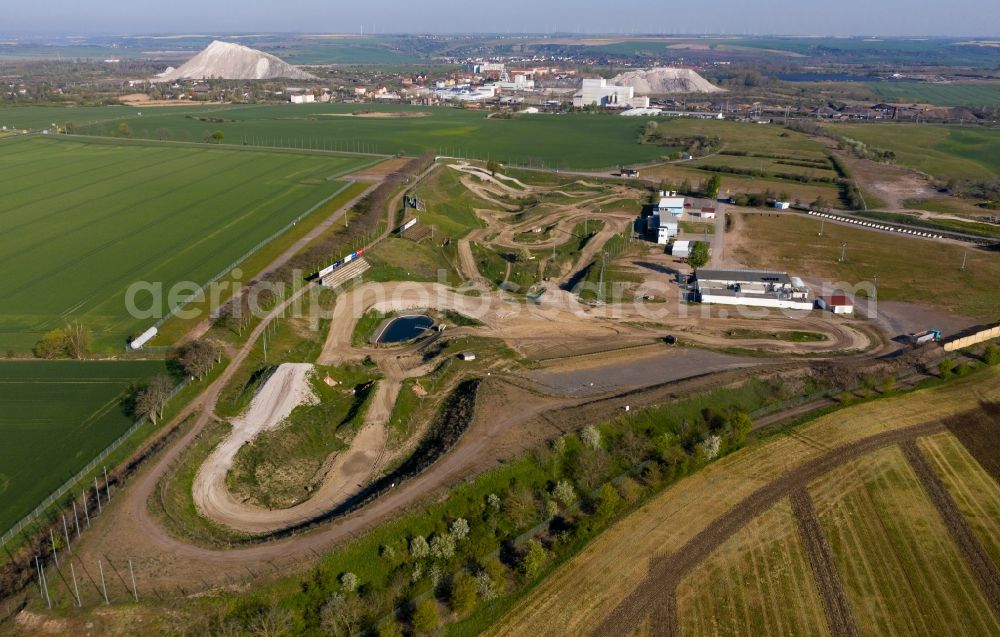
(405, 328)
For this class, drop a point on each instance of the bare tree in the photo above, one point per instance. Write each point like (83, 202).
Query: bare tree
(341, 615)
(78, 338)
(152, 398)
(273, 622)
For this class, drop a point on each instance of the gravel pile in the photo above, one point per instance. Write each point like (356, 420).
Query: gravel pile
(228, 61)
(663, 80)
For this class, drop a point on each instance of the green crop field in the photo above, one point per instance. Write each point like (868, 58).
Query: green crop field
(942, 151)
(84, 220)
(573, 141)
(963, 94)
(570, 141)
(42, 117)
(55, 416)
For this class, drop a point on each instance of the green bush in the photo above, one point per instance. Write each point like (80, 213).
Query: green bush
(390, 629)
(425, 617)
(533, 558)
(463, 593)
(946, 368)
(991, 355)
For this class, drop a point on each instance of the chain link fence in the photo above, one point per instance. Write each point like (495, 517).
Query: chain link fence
(251, 252)
(59, 493)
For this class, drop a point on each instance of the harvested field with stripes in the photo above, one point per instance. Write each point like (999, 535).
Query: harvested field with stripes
(840, 527)
(901, 571)
(976, 494)
(758, 581)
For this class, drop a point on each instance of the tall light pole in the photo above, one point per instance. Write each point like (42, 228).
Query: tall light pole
(843, 252)
(600, 284)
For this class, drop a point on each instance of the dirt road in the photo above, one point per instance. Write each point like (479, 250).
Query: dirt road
(838, 612)
(983, 569)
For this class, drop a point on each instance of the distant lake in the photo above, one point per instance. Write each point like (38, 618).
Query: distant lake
(833, 77)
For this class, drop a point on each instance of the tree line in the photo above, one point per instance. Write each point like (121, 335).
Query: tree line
(193, 360)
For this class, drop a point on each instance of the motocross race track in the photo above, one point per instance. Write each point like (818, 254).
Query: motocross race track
(128, 529)
(558, 326)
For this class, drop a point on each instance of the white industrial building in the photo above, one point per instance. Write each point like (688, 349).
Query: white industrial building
(598, 91)
(758, 288)
(467, 93)
(641, 112)
(666, 232)
(304, 98)
(654, 111)
(670, 204)
(519, 83)
(665, 228)
(681, 249)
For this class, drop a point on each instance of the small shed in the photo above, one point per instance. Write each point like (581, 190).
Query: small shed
(681, 249)
(467, 356)
(837, 303)
(782, 205)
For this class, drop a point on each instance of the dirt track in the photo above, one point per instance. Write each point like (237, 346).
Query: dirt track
(666, 572)
(349, 472)
(560, 218)
(559, 319)
(975, 556)
(828, 584)
(287, 388)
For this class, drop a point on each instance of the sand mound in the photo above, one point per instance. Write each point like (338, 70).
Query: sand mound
(662, 80)
(228, 61)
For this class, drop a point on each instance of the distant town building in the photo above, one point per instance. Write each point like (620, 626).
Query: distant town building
(520, 83)
(598, 92)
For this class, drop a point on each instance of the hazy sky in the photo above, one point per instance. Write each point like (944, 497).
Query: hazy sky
(843, 17)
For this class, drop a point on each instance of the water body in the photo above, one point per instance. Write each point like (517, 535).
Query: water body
(405, 328)
(835, 77)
